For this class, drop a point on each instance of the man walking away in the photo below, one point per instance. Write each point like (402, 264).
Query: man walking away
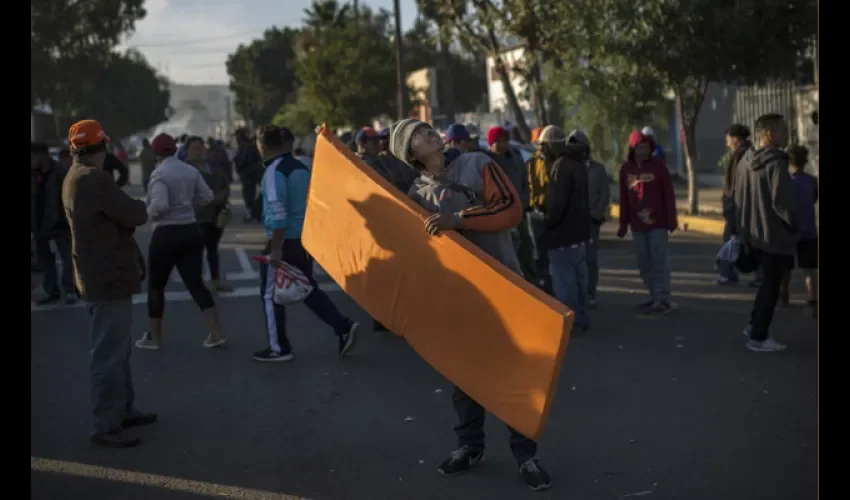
(102, 219)
(566, 230)
(538, 184)
(249, 166)
(648, 207)
(738, 141)
(284, 194)
(599, 192)
(218, 159)
(766, 213)
(147, 161)
(48, 223)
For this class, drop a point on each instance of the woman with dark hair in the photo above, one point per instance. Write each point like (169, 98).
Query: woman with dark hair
(174, 191)
(212, 218)
(738, 141)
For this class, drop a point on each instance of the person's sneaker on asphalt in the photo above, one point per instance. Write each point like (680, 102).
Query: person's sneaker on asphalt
(461, 460)
(271, 356)
(211, 343)
(768, 345)
(147, 342)
(658, 307)
(534, 476)
(115, 439)
(724, 280)
(645, 305)
(591, 303)
(348, 339)
(138, 418)
(70, 298)
(46, 301)
(747, 331)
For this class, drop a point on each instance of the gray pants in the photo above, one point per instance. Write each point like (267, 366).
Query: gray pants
(654, 262)
(592, 251)
(112, 393)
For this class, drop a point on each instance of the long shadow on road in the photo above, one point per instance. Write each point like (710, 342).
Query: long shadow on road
(672, 405)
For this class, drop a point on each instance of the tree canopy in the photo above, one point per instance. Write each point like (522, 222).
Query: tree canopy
(75, 70)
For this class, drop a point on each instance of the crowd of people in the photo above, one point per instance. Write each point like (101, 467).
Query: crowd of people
(540, 217)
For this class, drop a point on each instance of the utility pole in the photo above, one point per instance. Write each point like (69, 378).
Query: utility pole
(401, 81)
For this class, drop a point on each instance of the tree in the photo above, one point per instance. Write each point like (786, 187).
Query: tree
(67, 36)
(347, 74)
(476, 23)
(262, 75)
(691, 43)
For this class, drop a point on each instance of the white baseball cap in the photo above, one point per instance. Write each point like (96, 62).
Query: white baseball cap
(646, 131)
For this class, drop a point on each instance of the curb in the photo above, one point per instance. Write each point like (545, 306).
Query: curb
(693, 223)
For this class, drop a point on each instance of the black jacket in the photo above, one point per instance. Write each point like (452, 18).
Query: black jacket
(49, 182)
(112, 164)
(567, 220)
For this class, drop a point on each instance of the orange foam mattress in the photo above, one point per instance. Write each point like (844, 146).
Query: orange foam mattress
(480, 325)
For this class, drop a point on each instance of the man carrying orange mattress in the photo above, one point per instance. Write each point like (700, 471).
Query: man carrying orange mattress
(472, 194)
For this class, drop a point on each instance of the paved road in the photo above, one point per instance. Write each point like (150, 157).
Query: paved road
(664, 408)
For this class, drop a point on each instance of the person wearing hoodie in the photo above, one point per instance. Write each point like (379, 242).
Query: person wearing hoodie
(648, 208)
(471, 193)
(738, 141)
(599, 193)
(766, 217)
(566, 230)
(538, 185)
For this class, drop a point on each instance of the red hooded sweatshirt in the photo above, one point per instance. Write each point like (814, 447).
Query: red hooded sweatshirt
(647, 199)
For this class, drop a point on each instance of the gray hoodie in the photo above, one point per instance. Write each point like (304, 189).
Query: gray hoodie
(766, 210)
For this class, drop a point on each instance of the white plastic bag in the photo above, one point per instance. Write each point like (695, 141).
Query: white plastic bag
(290, 285)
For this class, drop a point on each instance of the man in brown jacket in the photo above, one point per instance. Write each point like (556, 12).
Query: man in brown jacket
(107, 271)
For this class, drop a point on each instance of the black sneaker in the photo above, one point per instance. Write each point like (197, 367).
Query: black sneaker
(138, 418)
(46, 301)
(461, 460)
(115, 439)
(645, 305)
(348, 339)
(269, 355)
(534, 476)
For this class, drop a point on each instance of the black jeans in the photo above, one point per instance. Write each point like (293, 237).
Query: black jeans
(47, 259)
(179, 246)
(318, 301)
(772, 267)
(249, 190)
(470, 429)
(211, 235)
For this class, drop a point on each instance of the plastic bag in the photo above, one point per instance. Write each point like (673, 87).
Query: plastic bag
(730, 251)
(291, 285)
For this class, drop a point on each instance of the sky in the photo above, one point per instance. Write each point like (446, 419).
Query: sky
(189, 40)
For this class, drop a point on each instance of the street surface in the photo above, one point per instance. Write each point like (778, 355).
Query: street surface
(667, 408)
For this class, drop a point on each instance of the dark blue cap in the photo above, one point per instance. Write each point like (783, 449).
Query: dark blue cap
(451, 155)
(384, 134)
(457, 132)
(365, 134)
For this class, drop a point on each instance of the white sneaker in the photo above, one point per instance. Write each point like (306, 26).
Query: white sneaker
(768, 345)
(147, 342)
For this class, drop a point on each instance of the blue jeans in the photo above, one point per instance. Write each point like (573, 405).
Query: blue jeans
(112, 393)
(568, 267)
(654, 262)
(593, 261)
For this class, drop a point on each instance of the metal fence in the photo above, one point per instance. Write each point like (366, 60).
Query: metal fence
(756, 100)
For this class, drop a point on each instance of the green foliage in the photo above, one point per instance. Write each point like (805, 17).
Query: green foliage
(262, 74)
(348, 76)
(298, 117)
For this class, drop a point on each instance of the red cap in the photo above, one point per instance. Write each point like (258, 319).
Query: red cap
(496, 133)
(636, 138)
(164, 144)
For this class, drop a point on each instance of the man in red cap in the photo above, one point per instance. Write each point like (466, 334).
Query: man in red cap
(108, 272)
